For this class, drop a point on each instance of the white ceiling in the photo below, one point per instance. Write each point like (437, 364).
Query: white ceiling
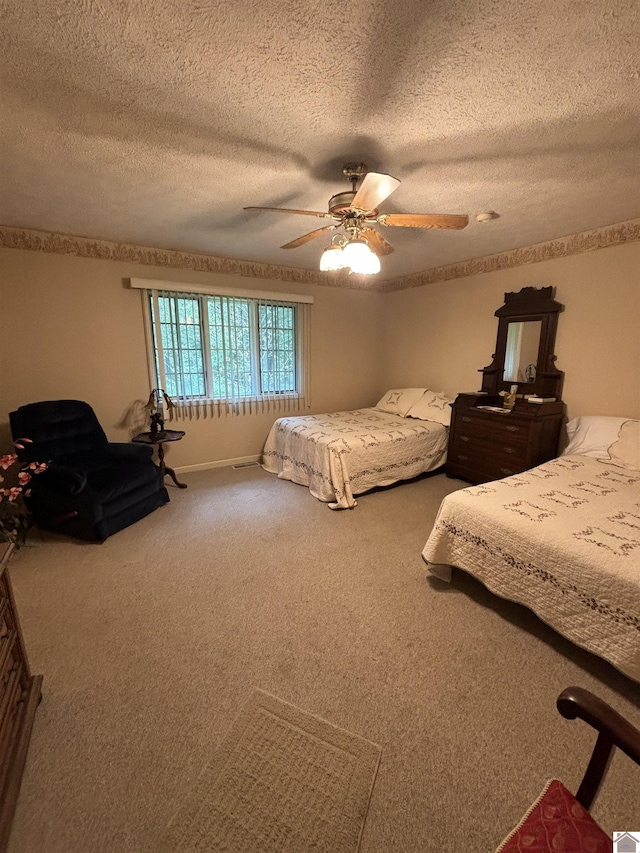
(155, 124)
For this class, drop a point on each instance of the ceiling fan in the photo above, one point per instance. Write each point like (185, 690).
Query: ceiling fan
(353, 210)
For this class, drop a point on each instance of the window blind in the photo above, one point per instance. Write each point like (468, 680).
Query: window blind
(220, 353)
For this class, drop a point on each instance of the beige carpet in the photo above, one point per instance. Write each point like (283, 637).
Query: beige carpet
(283, 781)
(151, 643)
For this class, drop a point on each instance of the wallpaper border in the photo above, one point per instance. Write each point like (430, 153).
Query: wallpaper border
(562, 247)
(65, 244)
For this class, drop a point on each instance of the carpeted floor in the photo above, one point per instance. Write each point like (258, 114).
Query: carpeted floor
(150, 644)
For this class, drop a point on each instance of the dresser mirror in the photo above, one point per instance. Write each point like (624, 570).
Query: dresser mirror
(521, 354)
(525, 344)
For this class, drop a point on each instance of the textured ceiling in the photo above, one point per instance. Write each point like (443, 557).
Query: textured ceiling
(155, 124)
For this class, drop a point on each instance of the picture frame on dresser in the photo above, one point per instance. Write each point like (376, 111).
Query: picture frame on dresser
(489, 440)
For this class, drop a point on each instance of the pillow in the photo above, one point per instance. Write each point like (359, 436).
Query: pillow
(625, 452)
(432, 407)
(557, 821)
(592, 435)
(398, 401)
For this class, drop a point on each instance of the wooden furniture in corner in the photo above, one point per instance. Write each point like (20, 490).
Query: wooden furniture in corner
(159, 439)
(486, 445)
(20, 694)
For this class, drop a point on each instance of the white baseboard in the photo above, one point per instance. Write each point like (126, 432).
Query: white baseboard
(219, 463)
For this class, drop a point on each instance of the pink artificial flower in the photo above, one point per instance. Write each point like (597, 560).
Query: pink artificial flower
(23, 478)
(38, 467)
(7, 460)
(19, 443)
(13, 493)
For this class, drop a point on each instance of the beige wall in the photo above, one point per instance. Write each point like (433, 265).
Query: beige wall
(446, 332)
(71, 328)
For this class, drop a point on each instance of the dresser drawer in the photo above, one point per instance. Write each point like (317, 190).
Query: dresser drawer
(498, 448)
(12, 692)
(482, 466)
(8, 656)
(19, 696)
(10, 722)
(499, 428)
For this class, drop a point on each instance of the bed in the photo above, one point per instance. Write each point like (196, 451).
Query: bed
(563, 539)
(342, 454)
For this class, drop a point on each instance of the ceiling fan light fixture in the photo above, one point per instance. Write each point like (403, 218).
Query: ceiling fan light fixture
(359, 257)
(332, 258)
(353, 210)
(373, 263)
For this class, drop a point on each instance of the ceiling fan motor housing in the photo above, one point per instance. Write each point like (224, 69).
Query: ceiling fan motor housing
(340, 205)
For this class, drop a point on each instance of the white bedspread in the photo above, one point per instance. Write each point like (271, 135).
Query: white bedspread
(343, 454)
(563, 539)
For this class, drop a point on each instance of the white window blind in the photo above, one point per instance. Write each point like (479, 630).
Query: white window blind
(220, 353)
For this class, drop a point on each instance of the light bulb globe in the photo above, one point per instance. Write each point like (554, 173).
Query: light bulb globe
(332, 259)
(358, 256)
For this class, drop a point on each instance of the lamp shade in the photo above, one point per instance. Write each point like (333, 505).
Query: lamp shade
(357, 255)
(332, 259)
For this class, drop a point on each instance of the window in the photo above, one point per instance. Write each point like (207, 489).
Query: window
(227, 348)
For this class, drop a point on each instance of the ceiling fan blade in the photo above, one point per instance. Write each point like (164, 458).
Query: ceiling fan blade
(376, 242)
(300, 241)
(374, 189)
(291, 210)
(424, 220)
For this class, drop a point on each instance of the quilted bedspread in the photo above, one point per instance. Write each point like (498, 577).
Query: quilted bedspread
(562, 539)
(343, 454)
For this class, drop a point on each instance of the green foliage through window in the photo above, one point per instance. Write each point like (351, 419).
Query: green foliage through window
(223, 347)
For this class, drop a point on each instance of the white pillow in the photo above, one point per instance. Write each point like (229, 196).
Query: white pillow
(625, 452)
(432, 407)
(592, 435)
(398, 401)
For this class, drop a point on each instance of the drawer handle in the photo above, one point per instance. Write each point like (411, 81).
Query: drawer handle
(464, 438)
(463, 458)
(509, 449)
(506, 471)
(466, 419)
(511, 428)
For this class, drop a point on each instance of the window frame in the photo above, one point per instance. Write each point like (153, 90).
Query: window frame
(152, 290)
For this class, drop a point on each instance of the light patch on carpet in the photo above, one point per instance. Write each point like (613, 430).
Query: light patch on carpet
(282, 781)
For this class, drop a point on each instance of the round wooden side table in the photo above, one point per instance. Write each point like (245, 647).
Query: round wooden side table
(160, 439)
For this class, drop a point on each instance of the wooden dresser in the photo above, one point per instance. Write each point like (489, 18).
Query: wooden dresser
(486, 445)
(19, 697)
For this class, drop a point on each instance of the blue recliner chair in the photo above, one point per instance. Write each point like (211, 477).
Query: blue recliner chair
(92, 488)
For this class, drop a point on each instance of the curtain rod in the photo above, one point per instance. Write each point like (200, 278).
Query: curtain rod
(184, 287)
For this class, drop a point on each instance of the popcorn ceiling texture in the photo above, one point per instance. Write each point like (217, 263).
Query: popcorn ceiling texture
(155, 125)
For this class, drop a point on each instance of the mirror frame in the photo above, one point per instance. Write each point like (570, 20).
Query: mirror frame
(530, 303)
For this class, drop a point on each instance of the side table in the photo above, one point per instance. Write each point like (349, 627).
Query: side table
(159, 439)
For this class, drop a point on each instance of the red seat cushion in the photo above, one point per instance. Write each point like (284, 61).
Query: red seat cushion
(556, 823)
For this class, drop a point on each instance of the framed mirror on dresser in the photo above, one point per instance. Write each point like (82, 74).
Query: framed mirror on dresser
(513, 423)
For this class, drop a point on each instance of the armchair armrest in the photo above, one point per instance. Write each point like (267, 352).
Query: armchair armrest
(613, 731)
(121, 452)
(61, 479)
